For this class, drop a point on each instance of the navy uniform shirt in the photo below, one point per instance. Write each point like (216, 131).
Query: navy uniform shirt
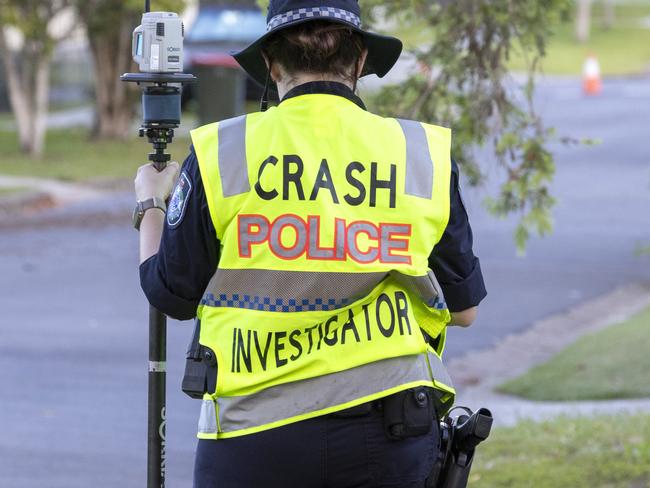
(174, 279)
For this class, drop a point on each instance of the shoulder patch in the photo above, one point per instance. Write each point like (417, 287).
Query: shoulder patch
(178, 201)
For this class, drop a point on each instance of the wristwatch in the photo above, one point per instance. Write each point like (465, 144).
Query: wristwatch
(142, 207)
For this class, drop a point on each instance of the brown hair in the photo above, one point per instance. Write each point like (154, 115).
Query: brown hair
(319, 47)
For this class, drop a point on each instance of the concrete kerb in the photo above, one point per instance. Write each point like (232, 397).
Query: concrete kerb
(477, 374)
(24, 199)
(59, 192)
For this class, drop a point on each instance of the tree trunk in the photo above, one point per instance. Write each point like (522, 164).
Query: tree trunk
(29, 88)
(583, 20)
(112, 57)
(609, 16)
(41, 104)
(17, 84)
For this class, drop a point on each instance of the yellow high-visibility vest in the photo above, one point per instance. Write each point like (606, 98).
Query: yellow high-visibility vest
(326, 215)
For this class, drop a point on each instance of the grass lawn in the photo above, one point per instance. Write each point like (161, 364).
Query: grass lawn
(612, 452)
(71, 155)
(6, 121)
(611, 363)
(624, 49)
(7, 191)
(621, 50)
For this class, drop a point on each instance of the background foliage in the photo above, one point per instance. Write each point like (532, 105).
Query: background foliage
(462, 81)
(27, 70)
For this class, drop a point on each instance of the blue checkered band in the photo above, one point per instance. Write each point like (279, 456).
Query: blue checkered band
(309, 13)
(267, 304)
(440, 305)
(437, 303)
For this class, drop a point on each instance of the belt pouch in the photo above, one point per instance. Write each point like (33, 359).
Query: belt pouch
(408, 413)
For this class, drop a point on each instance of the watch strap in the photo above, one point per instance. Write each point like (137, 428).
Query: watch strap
(143, 206)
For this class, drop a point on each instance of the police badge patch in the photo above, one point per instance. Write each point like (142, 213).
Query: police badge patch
(178, 201)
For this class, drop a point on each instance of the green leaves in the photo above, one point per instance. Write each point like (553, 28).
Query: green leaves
(108, 16)
(31, 18)
(463, 83)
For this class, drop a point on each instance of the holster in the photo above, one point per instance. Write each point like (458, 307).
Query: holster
(459, 438)
(200, 367)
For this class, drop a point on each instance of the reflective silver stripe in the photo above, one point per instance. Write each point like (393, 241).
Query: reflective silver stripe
(425, 287)
(232, 156)
(301, 397)
(287, 291)
(419, 166)
(439, 370)
(157, 366)
(208, 418)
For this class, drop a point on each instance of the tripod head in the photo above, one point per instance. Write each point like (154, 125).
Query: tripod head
(161, 109)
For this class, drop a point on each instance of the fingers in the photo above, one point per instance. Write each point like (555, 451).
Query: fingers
(150, 182)
(171, 172)
(174, 169)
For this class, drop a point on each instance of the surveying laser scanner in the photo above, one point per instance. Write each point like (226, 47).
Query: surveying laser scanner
(158, 50)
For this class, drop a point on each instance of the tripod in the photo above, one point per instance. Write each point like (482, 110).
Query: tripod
(161, 110)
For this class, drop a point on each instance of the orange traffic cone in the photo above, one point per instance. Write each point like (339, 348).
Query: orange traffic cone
(591, 83)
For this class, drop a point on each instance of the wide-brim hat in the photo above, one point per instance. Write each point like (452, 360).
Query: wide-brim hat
(383, 51)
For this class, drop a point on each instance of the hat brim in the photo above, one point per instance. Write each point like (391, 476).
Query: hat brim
(383, 53)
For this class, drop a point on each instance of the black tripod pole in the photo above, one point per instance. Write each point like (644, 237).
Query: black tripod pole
(157, 401)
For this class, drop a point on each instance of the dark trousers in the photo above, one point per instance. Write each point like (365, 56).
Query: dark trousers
(324, 452)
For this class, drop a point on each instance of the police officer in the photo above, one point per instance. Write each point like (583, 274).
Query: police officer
(324, 250)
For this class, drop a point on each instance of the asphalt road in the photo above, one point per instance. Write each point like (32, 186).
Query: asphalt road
(602, 218)
(73, 333)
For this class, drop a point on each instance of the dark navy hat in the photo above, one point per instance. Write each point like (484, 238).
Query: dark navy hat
(383, 51)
